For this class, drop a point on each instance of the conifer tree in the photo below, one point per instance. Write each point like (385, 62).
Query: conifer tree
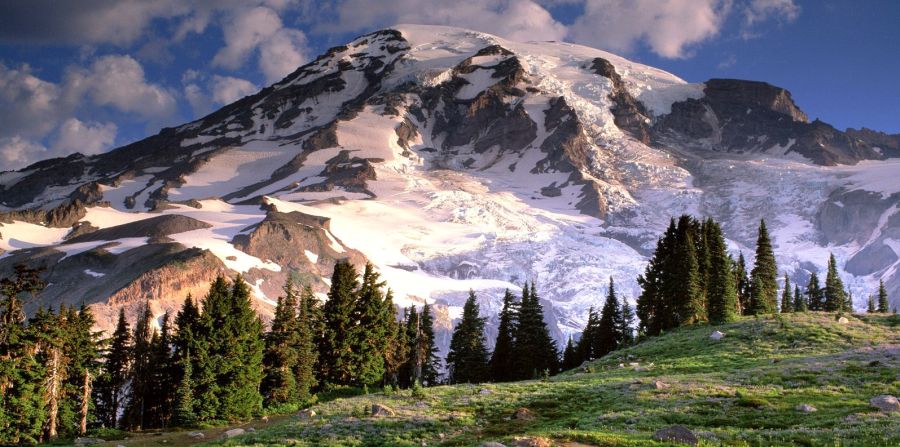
(208, 354)
(687, 290)
(607, 335)
(47, 329)
(570, 357)
(467, 361)
(535, 352)
(240, 380)
(722, 296)
(787, 300)
(279, 385)
(502, 358)
(871, 307)
(432, 363)
(814, 294)
(409, 371)
(140, 378)
(336, 358)
(186, 343)
(397, 362)
(626, 324)
(184, 395)
(742, 285)
(110, 389)
(764, 276)
(584, 349)
(656, 309)
(164, 374)
(83, 347)
(370, 336)
(882, 298)
(835, 296)
(309, 320)
(800, 303)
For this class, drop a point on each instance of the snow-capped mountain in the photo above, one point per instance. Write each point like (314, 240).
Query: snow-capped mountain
(456, 160)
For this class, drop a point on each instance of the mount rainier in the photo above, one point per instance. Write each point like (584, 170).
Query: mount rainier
(455, 160)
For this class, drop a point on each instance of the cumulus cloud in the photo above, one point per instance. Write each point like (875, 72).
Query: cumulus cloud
(29, 106)
(17, 152)
(204, 93)
(119, 82)
(759, 11)
(668, 27)
(227, 89)
(282, 54)
(513, 19)
(87, 138)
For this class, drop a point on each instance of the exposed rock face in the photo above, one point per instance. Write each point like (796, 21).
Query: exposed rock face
(630, 114)
(154, 228)
(747, 116)
(887, 144)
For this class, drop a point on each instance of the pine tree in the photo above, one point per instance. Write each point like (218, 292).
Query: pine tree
(655, 307)
(764, 276)
(800, 303)
(208, 353)
(607, 335)
(467, 360)
(240, 380)
(184, 395)
(110, 389)
(309, 319)
(83, 347)
(336, 346)
(279, 385)
(432, 363)
(882, 298)
(48, 330)
(871, 307)
(626, 324)
(535, 352)
(502, 358)
(787, 300)
(186, 347)
(722, 296)
(835, 296)
(397, 362)
(570, 357)
(814, 294)
(140, 389)
(584, 349)
(369, 337)
(742, 285)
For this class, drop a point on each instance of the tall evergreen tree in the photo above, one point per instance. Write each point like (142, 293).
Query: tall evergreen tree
(431, 365)
(656, 308)
(722, 296)
(815, 296)
(83, 346)
(742, 285)
(467, 360)
(164, 374)
(336, 358)
(626, 323)
(535, 352)
(279, 385)
(240, 380)
(140, 378)
(409, 371)
(183, 414)
(375, 316)
(186, 342)
(687, 290)
(309, 320)
(871, 307)
(110, 389)
(764, 276)
(800, 303)
(48, 331)
(502, 358)
(882, 298)
(570, 356)
(584, 349)
(787, 300)
(607, 335)
(835, 296)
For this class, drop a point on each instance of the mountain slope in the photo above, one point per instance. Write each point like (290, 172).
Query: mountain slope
(452, 160)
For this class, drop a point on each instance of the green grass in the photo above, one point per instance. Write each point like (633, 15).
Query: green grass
(741, 391)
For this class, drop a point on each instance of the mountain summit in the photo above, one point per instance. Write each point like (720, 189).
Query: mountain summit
(455, 160)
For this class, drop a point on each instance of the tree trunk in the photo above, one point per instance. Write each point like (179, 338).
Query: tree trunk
(53, 384)
(85, 402)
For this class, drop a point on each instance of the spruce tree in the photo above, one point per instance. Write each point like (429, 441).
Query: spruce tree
(184, 395)
(570, 356)
(309, 320)
(787, 300)
(164, 374)
(411, 367)
(397, 368)
(467, 361)
(83, 346)
(336, 358)
(656, 309)
(814, 293)
(835, 296)
(279, 385)
(375, 316)
(800, 302)
(240, 380)
(607, 335)
(742, 285)
(186, 340)
(48, 331)
(722, 296)
(764, 276)
(140, 378)
(871, 307)
(882, 298)
(502, 358)
(584, 349)
(208, 354)
(432, 362)
(535, 352)
(626, 324)
(110, 389)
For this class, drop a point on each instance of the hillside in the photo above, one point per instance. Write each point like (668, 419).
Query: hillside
(742, 390)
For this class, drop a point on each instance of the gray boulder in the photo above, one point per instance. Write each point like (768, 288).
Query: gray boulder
(885, 403)
(382, 410)
(807, 408)
(306, 414)
(233, 432)
(716, 335)
(678, 434)
(196, 435)
(88, 441)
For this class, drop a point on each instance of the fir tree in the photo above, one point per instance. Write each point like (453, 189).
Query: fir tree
(467, 360)
(186, 342)
(240, 379)
(800, 303)
(764, 276)
(607, 335)
(882, 298)
(570, 357)
(184, 395)
(48, 332)
(397, 362)
(110, 389)
(502, 358)
(535, 352)
(871, 307)
(685, 284)
(787, 300)
(815, 296)
(336, 346)
(626, 324)
(584, 349)
(140, 377)
(208, 352)
(722, 296)
(432, 362)
(279, 385)
(164, 374)
(375, 316)
(835, 296)
(742, 285)
(655, 308)
(309, 319)
(410, 370)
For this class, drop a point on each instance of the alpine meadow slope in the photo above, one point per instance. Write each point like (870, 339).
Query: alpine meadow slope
(455, 160)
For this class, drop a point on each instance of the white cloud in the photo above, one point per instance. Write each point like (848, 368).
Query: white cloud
(17, 152)
(668, 27)
(513, 19)
(759, 11)
(227, 89)
(204, 94)
(282, 54)
(119, 82)
(29, 106)
(87, 138)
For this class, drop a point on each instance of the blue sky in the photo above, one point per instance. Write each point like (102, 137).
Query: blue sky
(90, 75)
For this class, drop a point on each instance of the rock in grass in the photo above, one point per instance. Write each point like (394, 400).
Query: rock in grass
(678, 434)
(716, 335)
(233, 432)
(196, 435)
(251, 430)
(523, 414)
(306, 414)
(532, 442)
(491, 444)
(382, 410)
(485, 391)
(843, 320)
(660, 385)
(807, 408)
(885, 403)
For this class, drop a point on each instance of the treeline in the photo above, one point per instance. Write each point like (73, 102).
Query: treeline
(607, 331)
(211, 362)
